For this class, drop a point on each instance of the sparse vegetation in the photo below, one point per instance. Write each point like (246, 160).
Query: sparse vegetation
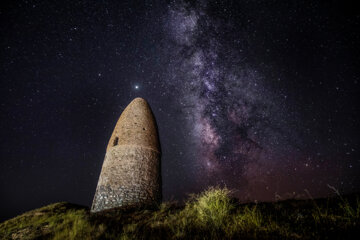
(212, 214)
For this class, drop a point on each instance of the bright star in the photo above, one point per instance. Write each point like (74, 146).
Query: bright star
(136, 86)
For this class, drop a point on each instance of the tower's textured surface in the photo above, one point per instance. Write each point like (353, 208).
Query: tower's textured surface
(131, 170)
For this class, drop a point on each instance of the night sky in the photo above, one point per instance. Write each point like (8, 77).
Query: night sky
(259, 96)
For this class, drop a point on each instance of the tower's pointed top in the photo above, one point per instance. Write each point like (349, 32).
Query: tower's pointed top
(138, 99)
(136, 126)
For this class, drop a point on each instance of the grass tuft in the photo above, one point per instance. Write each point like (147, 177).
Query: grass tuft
(212, 207)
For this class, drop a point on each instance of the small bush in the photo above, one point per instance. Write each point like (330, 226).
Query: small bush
(212, 207)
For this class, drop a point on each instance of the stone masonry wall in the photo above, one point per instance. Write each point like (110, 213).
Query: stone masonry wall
(130, 175)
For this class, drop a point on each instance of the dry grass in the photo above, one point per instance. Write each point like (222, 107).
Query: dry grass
(212, 214)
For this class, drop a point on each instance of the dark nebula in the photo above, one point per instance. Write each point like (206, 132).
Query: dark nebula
(259, 96)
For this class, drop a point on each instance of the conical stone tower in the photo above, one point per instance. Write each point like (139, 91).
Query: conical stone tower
(131, 170)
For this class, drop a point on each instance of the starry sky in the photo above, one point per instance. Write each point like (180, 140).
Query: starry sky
(258, 96)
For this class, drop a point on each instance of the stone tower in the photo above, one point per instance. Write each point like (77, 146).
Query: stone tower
(131, 170)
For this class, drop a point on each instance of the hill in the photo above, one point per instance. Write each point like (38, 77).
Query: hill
(209, 215)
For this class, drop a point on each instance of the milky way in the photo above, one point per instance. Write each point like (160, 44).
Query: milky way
(242, 133)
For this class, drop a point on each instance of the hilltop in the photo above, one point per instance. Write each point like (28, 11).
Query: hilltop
(212, 214)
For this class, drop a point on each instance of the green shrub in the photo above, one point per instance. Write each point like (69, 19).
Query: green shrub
(212, 207)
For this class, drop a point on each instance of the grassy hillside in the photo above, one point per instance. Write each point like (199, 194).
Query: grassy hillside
(210, 215)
